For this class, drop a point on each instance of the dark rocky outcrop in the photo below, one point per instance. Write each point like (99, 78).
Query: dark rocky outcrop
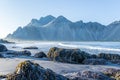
(31, 47)
(18, 53)
(40, 55)
(28, 70)
(67, 55)
(1, 56)
(89, 75)
(2, 76)
(5, 41)
(109, 56)
(115, 61)
(2, 48)
(95, 62)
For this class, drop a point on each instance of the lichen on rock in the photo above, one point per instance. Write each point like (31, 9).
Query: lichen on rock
(67, 55)
(28, 70)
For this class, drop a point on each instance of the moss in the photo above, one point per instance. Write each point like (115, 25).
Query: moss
(117, 76)
(28, 70)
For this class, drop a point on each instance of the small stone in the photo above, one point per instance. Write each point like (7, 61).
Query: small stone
(40, 55)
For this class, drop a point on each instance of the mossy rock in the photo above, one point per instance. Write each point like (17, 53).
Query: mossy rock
(117, 76)
(67, 55)
(28, 70)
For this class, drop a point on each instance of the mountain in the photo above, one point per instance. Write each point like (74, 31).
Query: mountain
(62, 29)
(112, 32)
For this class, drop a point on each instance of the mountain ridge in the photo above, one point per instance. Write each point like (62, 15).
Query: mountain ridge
(61, 29)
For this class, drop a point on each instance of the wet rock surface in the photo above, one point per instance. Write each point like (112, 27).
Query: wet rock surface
(95, 62)
(109, 56)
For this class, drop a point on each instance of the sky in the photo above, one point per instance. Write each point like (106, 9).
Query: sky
(15, 13)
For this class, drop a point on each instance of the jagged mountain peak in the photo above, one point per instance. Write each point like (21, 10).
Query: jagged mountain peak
(115, 23)
(19, 28)
(45, 20)
(34, 21)
(60, 28)
(61, 19)
(79, 21)
(47, 17)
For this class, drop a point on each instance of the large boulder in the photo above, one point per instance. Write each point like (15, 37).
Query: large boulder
(28, 70)
(40, 55)
(2, 48)
(95, 62)
(67, 55)
(88, 75)
(109, 56)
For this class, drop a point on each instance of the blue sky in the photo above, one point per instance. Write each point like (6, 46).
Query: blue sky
(15, 13)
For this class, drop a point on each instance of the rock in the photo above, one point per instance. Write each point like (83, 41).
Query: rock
(5, 41)
(25, 53)
(109, 56)
(40, 55)
(111, 72)
(89, 75)
(2, 48)
(19, 53)
(117, 76)
(94, 56)
(95, 75)
(1, 56)
(28, 70)
(31, 47)
(115, 61)
(2, 76)
(67, 55)
(95, 62)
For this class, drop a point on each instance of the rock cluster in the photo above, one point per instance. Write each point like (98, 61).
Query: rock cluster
(28, 70)
(67, 55)
(78, 56)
